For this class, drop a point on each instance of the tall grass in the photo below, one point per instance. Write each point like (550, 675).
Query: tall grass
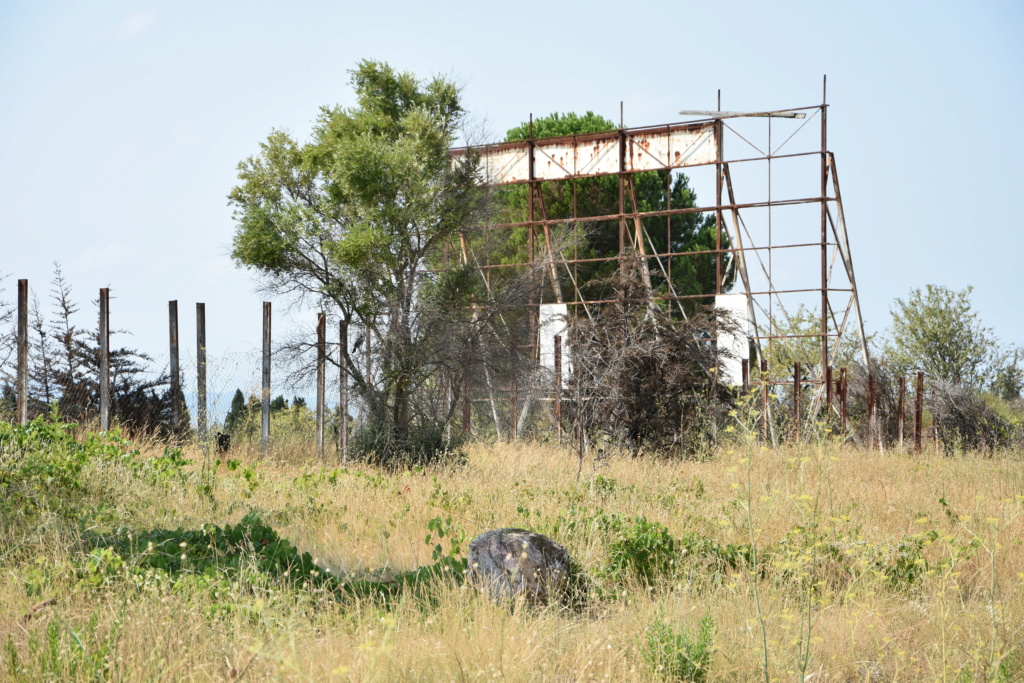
(869, 567)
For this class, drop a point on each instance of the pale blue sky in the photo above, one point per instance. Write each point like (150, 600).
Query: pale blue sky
(121, 124)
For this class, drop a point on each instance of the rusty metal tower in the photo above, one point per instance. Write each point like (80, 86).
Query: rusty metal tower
(777, 209)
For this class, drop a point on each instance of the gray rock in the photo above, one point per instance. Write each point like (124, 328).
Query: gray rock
(509, 563)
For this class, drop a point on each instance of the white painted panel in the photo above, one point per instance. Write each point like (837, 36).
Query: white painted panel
(657, 150)
(598, 156)
(734, 347)
(551, 323)
(503, 166)
(647, 149)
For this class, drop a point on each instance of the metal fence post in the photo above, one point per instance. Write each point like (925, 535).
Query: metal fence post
(558, 388)
(513, 427)
(22, 380)
(104, 359)
(265, 422)
(201, 375)
(796, 401)
(172, 314)
(918, 412)
(871, 410)
(368, 381)
(902, 406)
(321, 379)
(828, 396)
(842, 399)
(467, 413)
(343, 380)
(764, 400)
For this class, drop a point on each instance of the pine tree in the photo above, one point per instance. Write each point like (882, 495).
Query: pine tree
(236, 415)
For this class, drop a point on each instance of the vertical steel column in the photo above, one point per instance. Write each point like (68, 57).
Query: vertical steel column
(104, 359)
(622, 195)
(824, 227)
(172, 315)
(201, 374)
(321, 376)
(719, 153)
(558, 388)
(343, 382)
(22, 380)
(265, 421)
(796, 401)
(918, 412)
(534, 187)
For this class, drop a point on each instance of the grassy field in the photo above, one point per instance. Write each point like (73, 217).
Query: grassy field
(814, 561)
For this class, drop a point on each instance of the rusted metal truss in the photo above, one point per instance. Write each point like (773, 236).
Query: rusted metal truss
(766, 248)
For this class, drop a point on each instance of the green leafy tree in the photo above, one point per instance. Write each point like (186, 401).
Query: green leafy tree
(354, 217)
(654, 191)
(935, 330)
(1009, 377)
(236, 414)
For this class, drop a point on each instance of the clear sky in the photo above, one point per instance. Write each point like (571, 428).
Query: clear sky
(121, 124)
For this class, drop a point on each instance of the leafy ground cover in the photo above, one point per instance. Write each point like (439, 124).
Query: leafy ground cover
(127, 561)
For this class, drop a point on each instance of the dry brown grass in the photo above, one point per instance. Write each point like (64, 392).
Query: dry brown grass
(960, 620)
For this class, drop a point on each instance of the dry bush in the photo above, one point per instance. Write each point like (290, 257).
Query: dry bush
(642, 379)
(964, 421)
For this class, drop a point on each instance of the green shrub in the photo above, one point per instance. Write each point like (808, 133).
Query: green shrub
(641, 549)
(382, 443)
(255, 553)
(250, 548)
(43, 469)
(675, 655)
